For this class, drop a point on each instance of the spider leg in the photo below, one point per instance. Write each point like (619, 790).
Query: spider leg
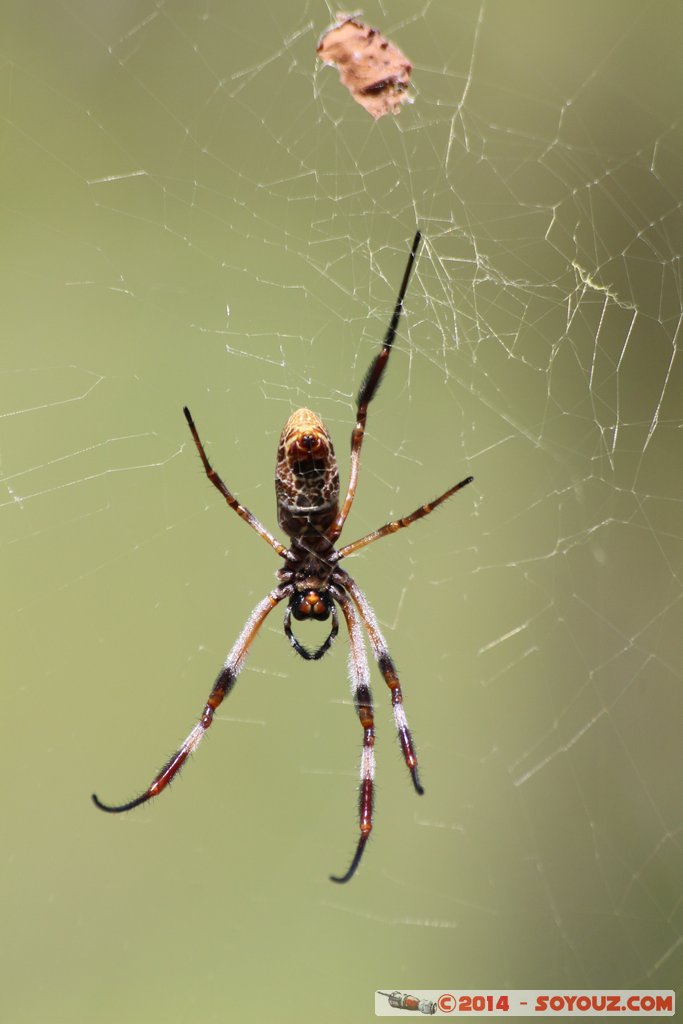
(232, 501)
(399, 524)
(221, 688)
(368, 390)
(303, 651)
(359, 674)
(388, 670)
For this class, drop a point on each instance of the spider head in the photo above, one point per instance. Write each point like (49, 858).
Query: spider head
(312, 604)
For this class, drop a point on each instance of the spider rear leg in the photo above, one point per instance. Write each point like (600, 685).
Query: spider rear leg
(368, 390)
(241, 510)
(400, 524)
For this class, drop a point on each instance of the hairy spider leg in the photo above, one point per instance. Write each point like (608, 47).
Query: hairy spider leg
(399, 524)
(359, 675)
(232, 501)
(221, 688)
(388, 670)
(368, 390)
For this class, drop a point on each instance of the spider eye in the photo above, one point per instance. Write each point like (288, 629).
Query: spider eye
(311, 605)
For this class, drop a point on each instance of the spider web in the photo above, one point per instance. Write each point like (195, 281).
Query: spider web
(193, 211)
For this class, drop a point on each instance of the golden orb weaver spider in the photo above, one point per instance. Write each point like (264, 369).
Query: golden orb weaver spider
(311, 580)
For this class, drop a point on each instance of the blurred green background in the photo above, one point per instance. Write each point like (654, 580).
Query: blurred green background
(192, 211)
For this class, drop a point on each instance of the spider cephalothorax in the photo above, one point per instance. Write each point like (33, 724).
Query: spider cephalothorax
(311, 606)
(311, 579)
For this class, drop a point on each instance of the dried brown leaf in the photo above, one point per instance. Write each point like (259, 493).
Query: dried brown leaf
(373, 69)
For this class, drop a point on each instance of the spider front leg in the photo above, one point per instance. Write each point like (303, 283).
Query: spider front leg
(360, 685)
(221, 688)
(388, 670)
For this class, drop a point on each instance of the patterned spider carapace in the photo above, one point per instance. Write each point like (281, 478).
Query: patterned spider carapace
(311, 579)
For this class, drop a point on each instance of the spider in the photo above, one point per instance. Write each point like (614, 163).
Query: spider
(311, 579)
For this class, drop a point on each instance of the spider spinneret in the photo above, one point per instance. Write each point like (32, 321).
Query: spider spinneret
(311, 579)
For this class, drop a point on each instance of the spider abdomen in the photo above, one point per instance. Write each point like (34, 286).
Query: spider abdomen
(306, 478)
